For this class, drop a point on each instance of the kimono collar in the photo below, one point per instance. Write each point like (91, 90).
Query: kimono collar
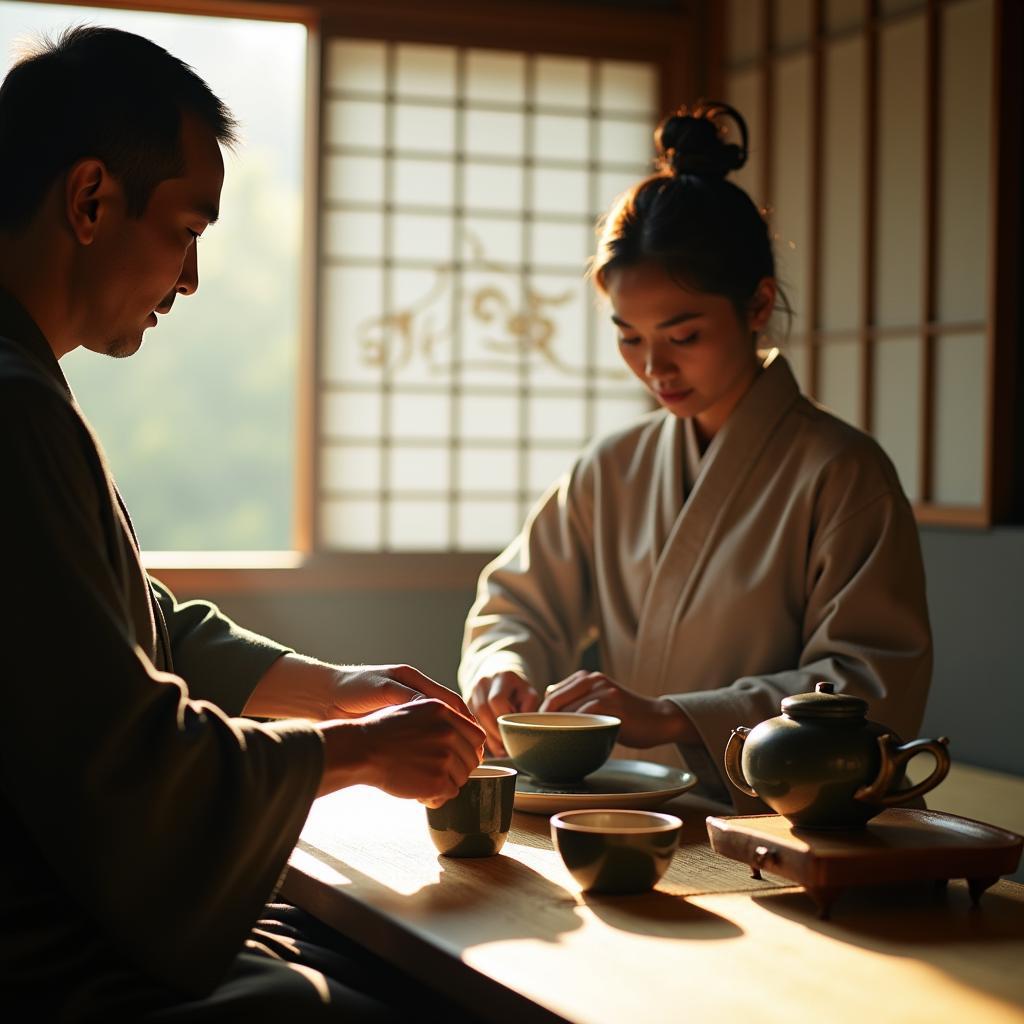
(774, 390)
(694, 526)
(17, 326)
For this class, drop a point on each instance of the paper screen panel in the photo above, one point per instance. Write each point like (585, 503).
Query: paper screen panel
(899, 263)
(958, 438)
(459, 334)
(352, 524)
(839, 362)
(561, 137)
(423, 237)
(614, 412)
(492, 417)
(427, 183)
(790, 219)
(556, 418)
(562, 82)
(792, 26)
(419, 468)
(843, 144)
(743, 91)
(486, 525)
(352, 303)
(558, 244)
(745, 30)
(546, 465)
(495, 133)
(350, 467)
(354, 179)
(844, 15)
(422, 129)
(356, 65)
(355, 234)
(353, 414)
(556, 332)
(492, 240)
(487, 187)
(425, 72)
(902, 6)
(413, 415)
(351, 122)
(418, 525)
(494, 77)
(796, 353)
(488, 469)
(628, 87)
(965, 141)
(556, 190)
(896, 406)
(414, 340)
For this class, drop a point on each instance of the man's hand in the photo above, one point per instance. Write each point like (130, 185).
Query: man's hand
(421, 749)
(298, 687)
(646, 721)
(361, 689)
(501, 694)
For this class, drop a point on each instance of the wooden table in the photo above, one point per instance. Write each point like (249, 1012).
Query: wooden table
(514, 939)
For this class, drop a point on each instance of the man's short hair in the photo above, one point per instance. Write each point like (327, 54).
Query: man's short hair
(98, 92)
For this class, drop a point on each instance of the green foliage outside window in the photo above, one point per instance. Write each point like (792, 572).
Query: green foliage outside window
(199, 425)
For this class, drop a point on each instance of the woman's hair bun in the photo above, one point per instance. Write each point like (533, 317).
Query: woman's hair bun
(690, 142)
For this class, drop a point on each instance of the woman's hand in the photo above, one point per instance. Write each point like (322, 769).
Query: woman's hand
(501, 694)
(646, 721)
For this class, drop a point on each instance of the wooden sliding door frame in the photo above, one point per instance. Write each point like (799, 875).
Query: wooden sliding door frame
(1003, 472)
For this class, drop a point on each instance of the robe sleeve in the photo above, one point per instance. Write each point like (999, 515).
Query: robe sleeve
(534, 610)
(164, 820)
(221, 661)
(865, 626)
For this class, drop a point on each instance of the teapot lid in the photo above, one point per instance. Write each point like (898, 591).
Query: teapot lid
(824, 703)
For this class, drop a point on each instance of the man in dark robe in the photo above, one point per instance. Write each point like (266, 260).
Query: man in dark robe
(147, 822)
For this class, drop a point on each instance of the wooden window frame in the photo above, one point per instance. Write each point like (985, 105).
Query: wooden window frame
(1003, 479)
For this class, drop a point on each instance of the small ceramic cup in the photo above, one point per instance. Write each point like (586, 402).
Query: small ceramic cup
(475, 822)
(558, 746)
(616, 851)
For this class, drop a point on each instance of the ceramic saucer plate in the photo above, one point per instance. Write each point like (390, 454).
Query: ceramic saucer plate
(640, 785)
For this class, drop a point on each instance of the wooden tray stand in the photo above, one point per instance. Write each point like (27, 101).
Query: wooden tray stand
(900, 845)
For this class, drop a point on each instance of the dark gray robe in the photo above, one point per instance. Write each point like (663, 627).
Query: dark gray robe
(145, 826)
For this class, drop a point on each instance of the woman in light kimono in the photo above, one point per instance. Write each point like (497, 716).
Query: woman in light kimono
(735, 546)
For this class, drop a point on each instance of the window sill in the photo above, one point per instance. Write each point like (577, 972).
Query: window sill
(221, 572)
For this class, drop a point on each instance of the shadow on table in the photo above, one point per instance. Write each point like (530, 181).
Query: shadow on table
(660, 914)
(476, 900)
(926, 924)
(519, 902)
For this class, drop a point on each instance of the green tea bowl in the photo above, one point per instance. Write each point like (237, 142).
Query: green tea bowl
(558, 746)
(616, 851)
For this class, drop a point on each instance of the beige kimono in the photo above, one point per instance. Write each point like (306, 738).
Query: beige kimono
(793, 558)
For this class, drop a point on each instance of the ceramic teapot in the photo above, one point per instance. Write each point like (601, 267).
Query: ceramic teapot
(822, 764)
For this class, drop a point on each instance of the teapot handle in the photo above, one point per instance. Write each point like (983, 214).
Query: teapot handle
(733, 768)
(894, 756)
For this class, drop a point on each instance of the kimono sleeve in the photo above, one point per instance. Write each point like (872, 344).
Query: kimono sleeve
(221, 661)
(162, 819)
(865, 628)
(534, 607)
